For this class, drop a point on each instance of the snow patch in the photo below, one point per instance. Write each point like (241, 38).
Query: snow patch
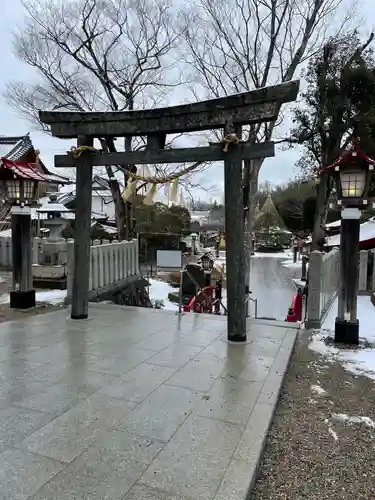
(159, 290)
(52, 297)
(318, 389)
(357, 360)
(291, 265)
(346, 419)
(330, 430)
(333, 433)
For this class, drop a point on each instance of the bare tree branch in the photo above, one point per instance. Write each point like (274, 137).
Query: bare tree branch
(239, 45)
(97, 55)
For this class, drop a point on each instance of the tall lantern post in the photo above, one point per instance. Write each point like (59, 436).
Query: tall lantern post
(353, 175)
(20, 185)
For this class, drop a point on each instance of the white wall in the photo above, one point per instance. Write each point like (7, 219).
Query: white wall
(103, 204)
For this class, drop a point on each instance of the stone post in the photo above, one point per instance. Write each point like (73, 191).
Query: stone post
(3, 252)
(137, 269)
(313, 298)
(70, 267)
(363, 266)
(36, 249)
(95, 267)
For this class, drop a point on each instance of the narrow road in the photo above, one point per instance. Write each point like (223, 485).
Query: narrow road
(271, 283)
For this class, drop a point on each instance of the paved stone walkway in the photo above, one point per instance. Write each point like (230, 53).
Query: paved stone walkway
(135, 404)
(272, 285)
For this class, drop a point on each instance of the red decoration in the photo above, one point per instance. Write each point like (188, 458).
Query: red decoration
(347, 157)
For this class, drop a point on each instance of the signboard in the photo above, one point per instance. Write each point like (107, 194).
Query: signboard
(168, 260)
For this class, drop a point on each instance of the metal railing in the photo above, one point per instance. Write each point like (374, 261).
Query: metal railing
(215, 302)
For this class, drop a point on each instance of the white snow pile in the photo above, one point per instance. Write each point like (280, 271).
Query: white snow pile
(292, 265)
(353, 420)
(52, 297)
(359, 360)
(342, 418)
(318, 390)
(158, 292)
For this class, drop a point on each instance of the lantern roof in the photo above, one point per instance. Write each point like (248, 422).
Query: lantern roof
(347, 157)
(29, 171)
(53, 206)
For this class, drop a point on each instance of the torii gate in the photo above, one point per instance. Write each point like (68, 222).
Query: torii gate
(229, 113)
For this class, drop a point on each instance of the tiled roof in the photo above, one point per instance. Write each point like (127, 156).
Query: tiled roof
(23, 170)
(13, 148)
(58, 179)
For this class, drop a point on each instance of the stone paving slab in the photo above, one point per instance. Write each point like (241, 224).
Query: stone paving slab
(135, 404)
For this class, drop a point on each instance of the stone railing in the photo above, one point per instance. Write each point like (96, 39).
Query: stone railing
(324, 278)
(42, 248)
(110, 264)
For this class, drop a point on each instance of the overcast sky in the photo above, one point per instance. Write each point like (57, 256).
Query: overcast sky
(275, 170)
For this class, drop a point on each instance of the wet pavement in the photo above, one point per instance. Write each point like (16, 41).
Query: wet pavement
(271, 284)
(135, 404)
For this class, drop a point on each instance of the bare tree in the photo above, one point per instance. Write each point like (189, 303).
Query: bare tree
(97, 55)
(239, 45)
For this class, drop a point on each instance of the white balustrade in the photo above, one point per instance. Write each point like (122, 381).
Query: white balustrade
(110, 263)
(324, 278)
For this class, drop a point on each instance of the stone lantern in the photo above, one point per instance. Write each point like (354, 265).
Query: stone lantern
(55, 217)
(50, 258)
(20, 184)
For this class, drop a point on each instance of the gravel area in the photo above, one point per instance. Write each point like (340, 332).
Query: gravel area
(311, 452)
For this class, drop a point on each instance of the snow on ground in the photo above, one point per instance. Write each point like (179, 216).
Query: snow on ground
(159, 290)
(346, 419)
(274, 255)
(358, 360)
(53, 297)
(292, 265)
(318, 389)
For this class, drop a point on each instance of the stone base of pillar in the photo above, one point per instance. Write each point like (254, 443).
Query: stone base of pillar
(373, 299)
(347, 332)
(79, 316)
(22, 300)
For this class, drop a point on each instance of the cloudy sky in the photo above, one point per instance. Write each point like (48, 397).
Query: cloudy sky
(275, 170)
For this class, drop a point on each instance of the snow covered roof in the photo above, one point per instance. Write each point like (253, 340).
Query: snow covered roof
(14, 148)
(367, 232)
